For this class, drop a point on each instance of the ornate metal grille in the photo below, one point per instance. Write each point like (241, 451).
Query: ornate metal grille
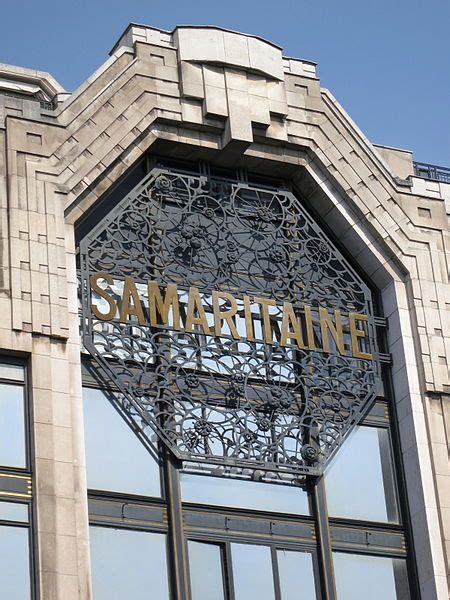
(227, 399)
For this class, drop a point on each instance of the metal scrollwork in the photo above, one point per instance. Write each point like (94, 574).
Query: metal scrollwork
(216, 399)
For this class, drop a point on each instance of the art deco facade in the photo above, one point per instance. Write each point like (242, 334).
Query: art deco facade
(224, 335)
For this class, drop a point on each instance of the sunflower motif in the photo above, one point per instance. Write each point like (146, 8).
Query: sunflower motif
(202, 427)
(318, 251)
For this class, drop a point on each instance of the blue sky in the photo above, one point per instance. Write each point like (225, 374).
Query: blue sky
(386, 61)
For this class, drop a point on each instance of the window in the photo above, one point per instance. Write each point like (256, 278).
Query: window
(16, 581)
(244, 494)
(296, 573)
(128, 565)
(247, 571)
(360, 481)
(13, 511)
(14, 561)
(252, 572)
(206, 584)
(116, 460)
(12, 416)
(370, 577)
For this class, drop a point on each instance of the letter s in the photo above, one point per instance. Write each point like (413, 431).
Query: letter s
(101, 292)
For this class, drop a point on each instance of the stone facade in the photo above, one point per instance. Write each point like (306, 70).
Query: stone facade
(234, 100)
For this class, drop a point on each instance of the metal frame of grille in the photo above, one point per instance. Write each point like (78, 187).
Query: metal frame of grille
(217, 400)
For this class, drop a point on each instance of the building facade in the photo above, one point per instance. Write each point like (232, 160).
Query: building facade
(224, 335)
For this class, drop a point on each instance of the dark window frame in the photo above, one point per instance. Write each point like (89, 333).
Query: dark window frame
(21, 493)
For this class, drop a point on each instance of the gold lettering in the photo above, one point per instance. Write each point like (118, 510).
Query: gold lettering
(101, 292)
(327, 325)
(158, 304)
(164, 304)
(309, 327)
(195, 305)
(290, 319)
(265, 303)
(225, 315)
(356, 333)
(248, 319)
(126, 309)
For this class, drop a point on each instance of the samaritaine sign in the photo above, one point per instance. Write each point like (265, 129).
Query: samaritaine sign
(154, 308)
(229, 323)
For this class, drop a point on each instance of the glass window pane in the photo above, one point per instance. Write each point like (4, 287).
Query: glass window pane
(252, 572)
(14, 563)
(12, 426)
(359, 480)
(296, 574)
(205, 564)
(112, 448)
(13, 511)
(14, 372)
(128, 565)
(370, 577)
(244, 494)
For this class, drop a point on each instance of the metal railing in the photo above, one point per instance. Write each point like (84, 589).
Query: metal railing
(432, 172)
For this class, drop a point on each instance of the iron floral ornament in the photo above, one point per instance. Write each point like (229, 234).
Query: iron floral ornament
(230, 324)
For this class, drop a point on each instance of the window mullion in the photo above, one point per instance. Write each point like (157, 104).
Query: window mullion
(325, 556)
(276, 574)
(229, 572)
(178, 554)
